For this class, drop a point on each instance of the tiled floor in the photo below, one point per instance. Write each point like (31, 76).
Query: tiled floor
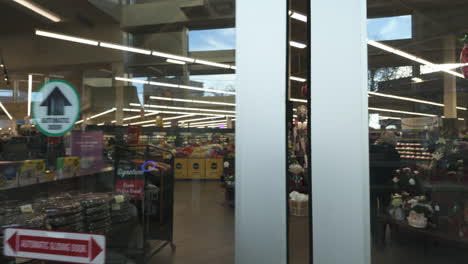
(204, 234)
(203, 226)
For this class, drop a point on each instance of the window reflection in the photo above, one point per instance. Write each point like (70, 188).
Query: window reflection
(418, 151)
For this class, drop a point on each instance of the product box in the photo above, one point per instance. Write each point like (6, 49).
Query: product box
(180, 168)
(32, 172)
(68, 167)
(214, 168)
(9, 175)
(196, 169)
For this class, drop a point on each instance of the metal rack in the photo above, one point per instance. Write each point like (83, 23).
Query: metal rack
(156, 207)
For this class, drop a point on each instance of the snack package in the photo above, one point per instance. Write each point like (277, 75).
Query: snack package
(8, 175)
(68, 167)
(32, 172)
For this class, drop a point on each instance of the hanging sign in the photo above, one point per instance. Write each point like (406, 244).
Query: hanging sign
(54, 246)
(56, 108)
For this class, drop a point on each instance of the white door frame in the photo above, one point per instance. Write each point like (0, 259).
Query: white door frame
(339, 125)
(339, 121)
(261, 132)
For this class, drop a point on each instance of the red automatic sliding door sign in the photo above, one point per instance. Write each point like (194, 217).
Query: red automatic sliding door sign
(54, 246)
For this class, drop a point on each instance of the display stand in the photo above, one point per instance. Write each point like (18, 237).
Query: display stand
(156, 206)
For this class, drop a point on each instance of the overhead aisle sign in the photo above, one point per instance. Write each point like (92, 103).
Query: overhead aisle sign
(54, 246)
(56, 108)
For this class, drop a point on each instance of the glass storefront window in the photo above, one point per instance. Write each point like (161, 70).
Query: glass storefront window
(298, 152)
(419, 149)
(117, 119)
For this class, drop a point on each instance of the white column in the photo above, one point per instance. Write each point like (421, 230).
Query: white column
(118, 70)
(261, 132)
(450, 81)
(339, 124)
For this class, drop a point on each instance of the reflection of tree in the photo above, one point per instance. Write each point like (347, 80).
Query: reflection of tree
(227, 88)
(375, 76)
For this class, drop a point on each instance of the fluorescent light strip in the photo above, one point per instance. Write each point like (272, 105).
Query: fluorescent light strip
(101, 124)
(131, 80)
(211, 126)
(178, 117)
(398, 111)
(297, 45)
(412, 57)
(124, 48)
(389, 117)
(199, 119)
(176, 61)
(184, 108)
(171, 56)
(209, 63)
(177, 113)
(5, 111)
(101, 114)
(297, 100)
(96, 115)
(67, 38)
(173, 85)
(154, 121)
(164, 84)
(208, 122)
(132, 49)
(298, 16)
(189, 101)
(411, 99)
(30, 83)
(39, 10)
(298, 79)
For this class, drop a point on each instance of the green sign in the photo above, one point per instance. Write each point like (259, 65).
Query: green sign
(55, 108)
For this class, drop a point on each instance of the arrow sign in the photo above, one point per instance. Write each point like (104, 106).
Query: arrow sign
(55, 246)
(55, 108)
(56, 103)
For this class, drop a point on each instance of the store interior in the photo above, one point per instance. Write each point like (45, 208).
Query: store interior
(144, 151)
(418, 120)
(147, 155)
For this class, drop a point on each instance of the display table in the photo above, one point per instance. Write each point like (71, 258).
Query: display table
(425, 236)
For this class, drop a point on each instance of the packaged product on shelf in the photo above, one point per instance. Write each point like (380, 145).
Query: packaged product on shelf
(8, 175)
(120, 208)
(8, 208)
(97, 216)
(64, 215)
(68, 167)
(32, 172)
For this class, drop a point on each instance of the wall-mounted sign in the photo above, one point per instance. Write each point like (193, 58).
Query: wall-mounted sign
(55, 246)
(56, 108)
